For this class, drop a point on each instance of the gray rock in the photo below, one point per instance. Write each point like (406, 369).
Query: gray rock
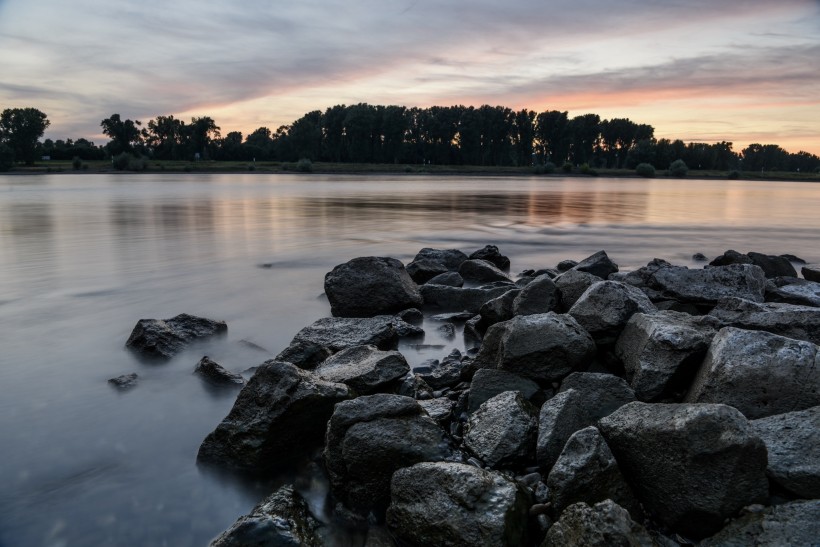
(481, 271)
(461, 298)
(598, 264)
(606, 524)
(794, 523)
(370, 285)
(605, 392)
(587, 471)
(731, 257)
(473, 333)
(662, 352)
(488, 382)
(455, 317)
(571, 285)
(364, 368)
(491, 254)
(451, 259)
(440, 408)
(407, 330)
(691, 466)
(282, 519)
(566, 265)
(539, 296)
(544, 347)
(125, 381)
(792, 258)
(605, 308)
(368, 439)
(799, 292)
(213, 373)
(415, 387)
(798, 322)
(758, 373)
(315, 343)
(277, 418)
(773, 266)
(423, 270)
(498, 309)
(793, 443)
(642, 277)
(411, 315)
(161, 339)
(446, 373)
(503, 430)
(709, 285)
(811, 272)
(454, 504)
(451, 279)
(699, 257)
(447, 331)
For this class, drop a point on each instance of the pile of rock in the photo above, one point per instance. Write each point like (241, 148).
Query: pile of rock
(662, 406)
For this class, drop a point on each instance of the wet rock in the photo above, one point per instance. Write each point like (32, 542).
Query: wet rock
(423, 270)
(603, 525)
(794, 523)
(544, 347)
(277, 418)
(282, 519)
(473, 333)
(691, 466)
(798, 291)
(315, 343)
(461, 298)
(491, 254)
(798, 322)
(811, 272)
(447, 331)
(605, 308)
(448, 260)
(792, 258)
(661, 352)
(481, 271)
(598, 264)
(699, 257)
(539, 296)
(455, 317)
(709, 285)
(411, 315)
(370, 285)
(213, 373)
(368, 439)
(793, 443)
(440, 408)
(364, 368)
(498, 309)
(407, 330)
(451, 279)
(488, 382)
(414, 386)
(642, 277)
(457, 505)
(571, 285)
(731, 257)
(773, 266)
(566, 265)
(126, 381)
(503, 430)
(161, 339)
(446, 373)
(758, 373)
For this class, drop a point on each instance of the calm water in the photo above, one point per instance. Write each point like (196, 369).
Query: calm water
(84, 257)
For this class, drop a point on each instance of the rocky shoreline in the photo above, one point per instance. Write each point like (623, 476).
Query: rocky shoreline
(663, 406)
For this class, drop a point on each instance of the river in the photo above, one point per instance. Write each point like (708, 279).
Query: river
(85, 256)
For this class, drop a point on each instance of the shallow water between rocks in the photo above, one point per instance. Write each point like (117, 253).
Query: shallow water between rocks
(83, 257)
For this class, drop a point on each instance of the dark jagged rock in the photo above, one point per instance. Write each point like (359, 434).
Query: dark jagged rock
(411, 315)
(604, 525)
(605, 308)
(709, 285)
(370, 285)
(451, 279)
(773, 266)
(491, 254)
(811, 272)
(457, 505)
(126, 381)
(566, 265)
(447, 331)
(498, 309)
(488, 383)
(795, 291)
(455, 317)
(503, 430)
(731, 257)
(598, 264)
(798, 322)
(447, 373)
(571, 285)
(461, 298)
(691, 466)
(473, 333)
(364, 368)
(161, 339)
(415, 387)
(481, 271)
(539, 296)
(213, 373)
(449, 259)
(277, 418)
(407, 330)
(423, 270)
(699, 257)
(792, 258)
(794, 523)
(440, 409)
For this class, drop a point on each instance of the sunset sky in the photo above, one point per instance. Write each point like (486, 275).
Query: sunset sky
(701, 70)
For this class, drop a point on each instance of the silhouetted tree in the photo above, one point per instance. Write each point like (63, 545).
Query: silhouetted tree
(125, 135)
(20, 131)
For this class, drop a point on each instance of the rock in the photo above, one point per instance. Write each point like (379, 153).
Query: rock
(571, 285)
(278, 416)
(605, 392)
(126, 381)
(423, 270)
(586, 471)
(731, 257)
(451, 279)
(282, 519)
(406, 330)
(811, 272)
(662, 352)
(799, 292)
(213, 373)
(448, 259)
(370, 285)
(539, 296)
(709, 285)
(793, 443)
(691, 466)
(315, 343)
(603, 525)
(161, 339)
(566, 265)
(798, 322)
(699, 257)
(773, 266)
(378, 536)
(368, 439)
(364, 368)
(794, 523)
(456, 505)
(544, 347)
(472, 334)
(491, 254)
(481, 271)
(447, 331)
(502, 431)
(488, 382)
(461, 299)
(498, 309)
(411, 315)
(758, 373)
(440, 408)
(447, 373)
(642, 277)
(605, 307)
(597, 264)
(414, 386)
(792, 258)
(455, 317)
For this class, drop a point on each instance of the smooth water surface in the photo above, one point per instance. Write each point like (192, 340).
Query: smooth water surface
(84, 257)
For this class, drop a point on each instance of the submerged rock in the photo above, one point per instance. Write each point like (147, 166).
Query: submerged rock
(213, 373)
(161, 339)
(370, 285)
(126, 381)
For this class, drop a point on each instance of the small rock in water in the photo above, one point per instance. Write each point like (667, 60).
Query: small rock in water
(126, 381)
(161, 339)
(447, 330)
(792, 258)
(699, 257)
(213, 373)
(455, 316)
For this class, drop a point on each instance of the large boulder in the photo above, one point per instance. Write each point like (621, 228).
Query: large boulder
(798, 322)
(605, 307)
(481, 271)
(791, 290)
(449, 259)
(543, 347)
(571, 285)
(502, 431)
(691, 466)
(793, 443)
(366, 369)
(498, 309)
(603, 525)
(454, 505)
(489, 382)
(709, 285)
(315, 343)
(731, 257)
(539, 296)
(794, 523)
(161, 339)
(468, 299)
(368, 439)
(277, 418)
(491, 254)
(773, 266)
(661, 352)
(282, 519)
(598, 264)
(370, 285)
(759, 373)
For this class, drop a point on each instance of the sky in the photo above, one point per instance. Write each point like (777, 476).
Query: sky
(700, 70)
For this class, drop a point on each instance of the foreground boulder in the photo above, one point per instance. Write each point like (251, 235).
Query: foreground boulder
(282, 520)
(215, 374)
(278, 417)
(488, 382)
(605, 307)
(502, 431)
(571, 285)
(794, 523)
(691, 466)
(539, 296)
(452, 504)
(709, 285)
(791, 290)
(364, 368)
(368, 439)
(370, 285)
(161, 339)
(798, 322)
(498, 309)
(758, 373)
(603, 525)
(773, 266)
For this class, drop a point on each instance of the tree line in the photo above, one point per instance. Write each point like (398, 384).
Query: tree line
(363, 133)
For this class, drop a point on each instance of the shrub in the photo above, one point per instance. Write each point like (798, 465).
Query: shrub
(678, 169)
(567, 167)
(6, 158)
(549, 168)
(76, 163)
(733, 174)
(645, 170)
(304, 165)
(120, 162)
(587, 170)
(538, 169)
(251, 167)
